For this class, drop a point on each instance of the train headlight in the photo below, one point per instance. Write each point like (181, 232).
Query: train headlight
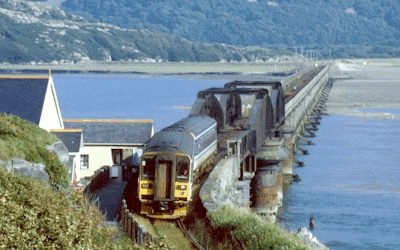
(181, 187)
(146, 185)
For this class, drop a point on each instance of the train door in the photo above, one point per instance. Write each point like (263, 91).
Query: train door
(163, 180)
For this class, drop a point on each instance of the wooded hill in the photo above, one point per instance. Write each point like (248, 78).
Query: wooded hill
(31, 32)
(334, 28)
(196, 31)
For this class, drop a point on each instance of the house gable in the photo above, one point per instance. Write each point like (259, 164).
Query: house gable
(32, 98)
(51, 115)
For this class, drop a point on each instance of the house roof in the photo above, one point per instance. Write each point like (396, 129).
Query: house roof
(23, 96)
(112, 132)
(70, 137)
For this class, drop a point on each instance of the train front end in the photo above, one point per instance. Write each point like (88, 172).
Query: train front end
(169, 163)
(164, 185)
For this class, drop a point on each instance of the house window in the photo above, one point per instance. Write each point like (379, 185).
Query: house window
(85, 161)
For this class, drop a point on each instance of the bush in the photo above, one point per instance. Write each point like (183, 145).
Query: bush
(246, 230)
(33, 216)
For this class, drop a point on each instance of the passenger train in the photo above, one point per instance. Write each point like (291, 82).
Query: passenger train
(175, 158)
(170, 164)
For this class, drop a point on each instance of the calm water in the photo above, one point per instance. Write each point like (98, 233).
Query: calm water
(350, 184)
(351, 181)
(163, 99)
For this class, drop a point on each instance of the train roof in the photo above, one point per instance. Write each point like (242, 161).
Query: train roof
(192, 124)
(181, 135)
(171, 141)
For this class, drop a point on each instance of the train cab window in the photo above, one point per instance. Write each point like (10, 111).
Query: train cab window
(182, 169)
(148, 168)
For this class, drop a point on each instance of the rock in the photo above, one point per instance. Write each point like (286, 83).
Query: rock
(37, 170)
(309, 239)
(26, 168)
(62, 152)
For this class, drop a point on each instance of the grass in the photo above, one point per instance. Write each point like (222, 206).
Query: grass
(34, 216)
(241, 229)
(171, 235)
(25, 140)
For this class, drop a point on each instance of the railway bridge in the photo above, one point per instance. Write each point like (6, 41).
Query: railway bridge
(258, 136)
(258, 124)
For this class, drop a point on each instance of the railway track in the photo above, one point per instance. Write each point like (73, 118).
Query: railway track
(195, 243)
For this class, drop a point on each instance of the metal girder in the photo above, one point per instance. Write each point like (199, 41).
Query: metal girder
(276, 94)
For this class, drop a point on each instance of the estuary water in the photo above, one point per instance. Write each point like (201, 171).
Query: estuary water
(164, 99)
(351, 179)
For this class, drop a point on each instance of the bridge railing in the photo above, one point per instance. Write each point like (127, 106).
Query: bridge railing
(287, 82)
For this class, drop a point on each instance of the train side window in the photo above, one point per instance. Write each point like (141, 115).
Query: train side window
(148, 168)
(182, 169)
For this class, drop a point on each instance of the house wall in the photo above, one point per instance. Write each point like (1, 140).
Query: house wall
(75, 158)
(51, 114)
(100, 156)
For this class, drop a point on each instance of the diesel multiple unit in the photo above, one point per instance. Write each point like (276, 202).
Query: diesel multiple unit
(176, 159)
(170, 163)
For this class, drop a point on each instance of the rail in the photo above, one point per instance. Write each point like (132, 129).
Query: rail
(195, 243)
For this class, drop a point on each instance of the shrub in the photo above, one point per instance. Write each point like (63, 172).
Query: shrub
(246, 230)
(33, 216)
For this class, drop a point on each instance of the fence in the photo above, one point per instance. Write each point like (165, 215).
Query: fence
(135, 231)
(98, 180)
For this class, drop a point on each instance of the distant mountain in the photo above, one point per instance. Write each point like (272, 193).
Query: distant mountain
(32, 32)
(340, 28)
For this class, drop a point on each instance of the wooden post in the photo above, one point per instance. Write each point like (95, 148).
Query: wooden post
(122, 212)
(135, 231)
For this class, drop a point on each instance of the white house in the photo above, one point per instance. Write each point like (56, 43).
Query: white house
(32, 98)
(108, 142)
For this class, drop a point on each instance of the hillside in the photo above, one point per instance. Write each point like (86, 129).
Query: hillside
(32, 32)
(340, 28)
(71, 31)
(25, 140)
(33, 216)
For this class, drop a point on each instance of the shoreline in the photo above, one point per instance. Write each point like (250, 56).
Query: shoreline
(158, 68)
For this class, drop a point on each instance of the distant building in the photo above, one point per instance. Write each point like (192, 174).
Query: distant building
(32, 98)
(107, 143)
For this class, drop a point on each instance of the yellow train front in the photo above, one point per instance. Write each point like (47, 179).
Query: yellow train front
(170, 163)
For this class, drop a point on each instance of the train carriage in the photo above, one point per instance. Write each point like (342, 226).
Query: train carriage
(170, 164)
